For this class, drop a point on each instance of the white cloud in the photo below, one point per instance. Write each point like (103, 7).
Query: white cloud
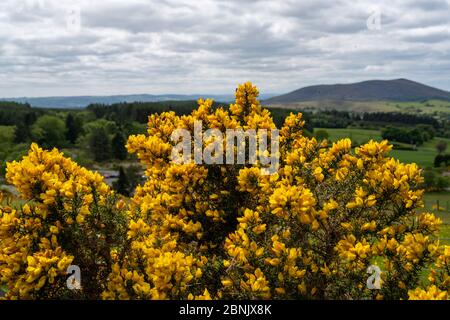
(208, 46)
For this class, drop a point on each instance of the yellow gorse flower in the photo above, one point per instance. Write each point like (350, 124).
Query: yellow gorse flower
(196, 231)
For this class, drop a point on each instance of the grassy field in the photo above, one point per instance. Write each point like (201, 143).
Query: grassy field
(430, 107)
(359, 135)
(431, 200)
(423, 156)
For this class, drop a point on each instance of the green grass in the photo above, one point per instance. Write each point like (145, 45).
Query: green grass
(431, 144)
(444, 234)
(423, 156)
(359, 135)
(436, 108)
(443, 198)
(430, 107)
(431, 200)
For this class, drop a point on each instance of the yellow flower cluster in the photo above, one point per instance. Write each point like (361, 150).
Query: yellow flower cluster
(50, 179)
(289, 201)
(432, 293)
(197, 231)
(61, 223)
(413, 246)
(168, 275)
(349, 249)
(308, 230)
(439, 277)
(25, 269)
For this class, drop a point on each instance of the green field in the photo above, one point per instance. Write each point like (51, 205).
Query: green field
(445, 234)
(423, 156)
(430, 107)
(438, 108)
(432, 199)
(359, 135)
(431, 202)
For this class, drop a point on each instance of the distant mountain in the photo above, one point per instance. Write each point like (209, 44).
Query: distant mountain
(84, 101)
(401, 90)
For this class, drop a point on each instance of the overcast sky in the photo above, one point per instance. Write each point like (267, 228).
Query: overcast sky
(209, 46)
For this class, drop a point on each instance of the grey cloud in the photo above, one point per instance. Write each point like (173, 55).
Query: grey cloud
(431, 5)
(183, 46)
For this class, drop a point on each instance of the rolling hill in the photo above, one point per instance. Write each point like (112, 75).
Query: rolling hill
(399, 90)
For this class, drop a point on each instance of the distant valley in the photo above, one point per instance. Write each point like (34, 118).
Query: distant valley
(84, 101)
(399, 95)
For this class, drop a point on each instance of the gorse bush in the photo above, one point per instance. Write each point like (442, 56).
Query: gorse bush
(70, 218)
(192, 231)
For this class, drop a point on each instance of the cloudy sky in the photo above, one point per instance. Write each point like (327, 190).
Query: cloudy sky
(102, 47)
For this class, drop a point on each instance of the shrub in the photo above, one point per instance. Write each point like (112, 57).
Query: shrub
(70, 218)
(321, 135)
(309, 231)
(441, 146)
(413, 136)
(441, 159)
(49, 130)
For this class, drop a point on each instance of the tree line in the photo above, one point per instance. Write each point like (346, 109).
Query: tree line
(99, 131)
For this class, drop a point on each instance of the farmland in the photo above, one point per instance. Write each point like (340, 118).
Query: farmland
(423, 156)
(438, 108)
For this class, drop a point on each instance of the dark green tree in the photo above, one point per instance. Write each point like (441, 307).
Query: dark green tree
(135, 176)
(441, 146)
(321, 135)
(49, 131)
(442, 183)
(429, 179)
(73, 128)
(22, 133)
(23, 127)
(442, 160)
(122, 185)
(99, 144)
(118, 146)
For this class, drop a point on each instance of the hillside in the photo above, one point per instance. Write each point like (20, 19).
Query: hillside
(399, 90)
(434, 108)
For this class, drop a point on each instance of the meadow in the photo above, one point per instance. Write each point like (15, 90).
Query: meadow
(423, 156)
(436, 108)
(439, 204)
